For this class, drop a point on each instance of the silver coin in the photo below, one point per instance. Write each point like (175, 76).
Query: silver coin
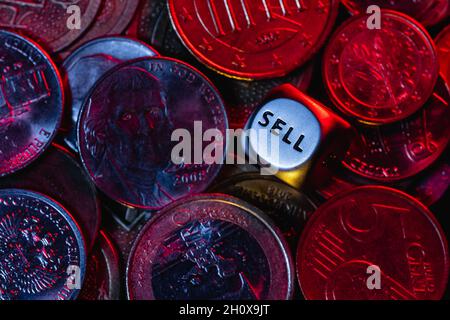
(31, 102)
(126, 125)
(42, 252)
(88, 63)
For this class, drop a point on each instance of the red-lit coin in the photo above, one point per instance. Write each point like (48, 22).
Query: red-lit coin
(382, 75)
(428, 12)
(253, 39)
(429, 187)
(443, 48)
(401, 150)
(370, 234)
(49, 20)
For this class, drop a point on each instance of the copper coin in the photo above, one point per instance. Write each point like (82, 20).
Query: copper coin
(428, 187)
(112, 19)
(380, 76)
(102, 281)
(402, 150)
(126, 125)
(253, 39)
(443, 48)
(48, 20)
(31, 102)
(210, 247)
(373, 228)
(241, 97)
(428, 12)
(58, 175)
(286, 206)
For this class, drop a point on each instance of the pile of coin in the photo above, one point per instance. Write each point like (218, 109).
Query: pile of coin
(95, 94)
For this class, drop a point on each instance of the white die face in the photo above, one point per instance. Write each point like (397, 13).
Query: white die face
(284, 133)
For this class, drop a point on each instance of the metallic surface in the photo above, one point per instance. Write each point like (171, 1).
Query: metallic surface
(209, 247)
(380, 76)
(401, 150)
(39, 240)
(125, 129)
(250, 39)
(295, 137)
(58, 175)
(89, 63)
(428, 187)
(286, 206)
(241, 97)
(102, 272)
(47, 20)
(31, 102)
(290, 127)
(112, 19)
(373, 226)
(443, 49)
(428, 12)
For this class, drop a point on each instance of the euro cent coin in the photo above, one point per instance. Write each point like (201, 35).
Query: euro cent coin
(58, 175)
(126, 125)
(89, 63)
(51, 22)
(443, 48)
(382, 75)
(427, 12)
(401, 150)
(373, 243)
(210, 247)
(42, 254)
(31, 102)
(253, 39)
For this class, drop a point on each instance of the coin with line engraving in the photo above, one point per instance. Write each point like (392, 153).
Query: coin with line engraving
(286, 206)
(373, 243)
(428, 12)
(253, 39)
(54, 23)
(102, 272)
(380, 76)
(31, 102)
(42, 254)
(212, 247)
(125, 132)
(87, 64)
(401, 150)
(241, 97)
(58, 175)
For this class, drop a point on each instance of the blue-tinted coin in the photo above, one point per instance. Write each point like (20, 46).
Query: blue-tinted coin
(42, 252)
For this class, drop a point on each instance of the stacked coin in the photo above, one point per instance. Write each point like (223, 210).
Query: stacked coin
(121, 179)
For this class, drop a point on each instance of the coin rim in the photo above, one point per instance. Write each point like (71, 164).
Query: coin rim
(235, 202)
(388, 190)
